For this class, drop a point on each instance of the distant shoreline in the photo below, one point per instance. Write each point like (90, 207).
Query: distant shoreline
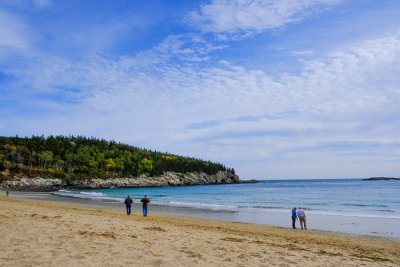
(380, 179)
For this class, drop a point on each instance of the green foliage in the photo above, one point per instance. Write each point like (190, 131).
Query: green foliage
(59, 174)
(81, 157)
(2, 167)
(2, 177)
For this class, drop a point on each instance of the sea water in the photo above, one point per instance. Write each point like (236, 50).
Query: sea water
(347, 205)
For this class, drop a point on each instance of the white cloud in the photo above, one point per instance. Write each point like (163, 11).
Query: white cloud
(302, 53)
(344, 103)
(243, 16)
(13, 32)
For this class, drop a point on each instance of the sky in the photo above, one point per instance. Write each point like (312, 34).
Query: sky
(285, 89)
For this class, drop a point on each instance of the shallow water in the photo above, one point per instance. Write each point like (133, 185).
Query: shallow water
(346, 205)
(350, 197)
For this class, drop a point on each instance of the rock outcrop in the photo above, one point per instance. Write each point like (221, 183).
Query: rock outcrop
(167, 179)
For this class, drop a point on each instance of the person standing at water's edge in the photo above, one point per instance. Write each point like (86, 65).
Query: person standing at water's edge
(294, 217)
(302, 218)
(128, 203)
(145, 202)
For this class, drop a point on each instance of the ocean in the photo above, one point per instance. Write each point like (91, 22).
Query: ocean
(345, 205)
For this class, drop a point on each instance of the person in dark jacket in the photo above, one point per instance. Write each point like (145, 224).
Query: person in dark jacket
(145, 202)
(128, 203)
(294, 217)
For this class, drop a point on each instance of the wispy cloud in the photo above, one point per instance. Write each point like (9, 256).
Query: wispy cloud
(13, 31)
(42, 3)
(183, 96)
(302, 53)
(172, 104)
(27, 3)
(254, 16)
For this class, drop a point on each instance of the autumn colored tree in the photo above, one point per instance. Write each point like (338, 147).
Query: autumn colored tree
(81, 157)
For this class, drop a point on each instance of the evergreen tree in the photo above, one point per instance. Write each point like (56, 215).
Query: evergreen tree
(82, 157)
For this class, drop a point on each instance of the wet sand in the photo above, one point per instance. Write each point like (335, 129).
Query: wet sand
(41, 233)
(379, 227)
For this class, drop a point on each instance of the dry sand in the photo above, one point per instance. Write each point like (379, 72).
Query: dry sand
(36, 233)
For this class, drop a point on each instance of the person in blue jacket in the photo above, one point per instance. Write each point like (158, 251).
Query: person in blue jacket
(294, 217)
(145, 202)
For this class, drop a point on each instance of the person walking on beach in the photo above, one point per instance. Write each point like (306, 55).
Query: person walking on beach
(7, 193)
(145, 202)
(294, 217)
(302, 218)
(128, 203)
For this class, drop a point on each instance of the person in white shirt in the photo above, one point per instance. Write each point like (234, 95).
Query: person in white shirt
(302, 218)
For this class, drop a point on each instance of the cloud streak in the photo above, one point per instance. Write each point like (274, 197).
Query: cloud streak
(172, 105)
(253, 16)
(181, 96)
(13, 32)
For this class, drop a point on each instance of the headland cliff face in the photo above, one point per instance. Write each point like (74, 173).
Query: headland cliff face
(167, 179)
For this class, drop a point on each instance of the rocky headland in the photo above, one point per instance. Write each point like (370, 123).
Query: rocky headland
(167, 179)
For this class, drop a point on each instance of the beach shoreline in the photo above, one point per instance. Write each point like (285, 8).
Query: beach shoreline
(377, 227)
(65, 234)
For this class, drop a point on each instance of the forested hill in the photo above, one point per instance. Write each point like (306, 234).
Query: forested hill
(81, 157)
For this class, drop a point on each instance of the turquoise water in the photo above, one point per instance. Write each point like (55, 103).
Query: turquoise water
(339, 197)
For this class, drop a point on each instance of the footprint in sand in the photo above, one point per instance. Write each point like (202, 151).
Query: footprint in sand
(159, 263)
(78, 257)
(233, 239)
(243, 256)
(257, 255)
(155, 229)
(192, 254)
(94, 234)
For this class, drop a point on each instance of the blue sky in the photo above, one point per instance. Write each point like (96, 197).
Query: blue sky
(281, 89)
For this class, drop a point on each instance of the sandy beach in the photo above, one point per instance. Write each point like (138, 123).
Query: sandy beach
(38, 233)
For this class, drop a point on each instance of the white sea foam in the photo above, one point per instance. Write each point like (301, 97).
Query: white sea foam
(240, 208)
(89, 195)
(323, 212)
(260, 209)
(203, 206)
(350, 214)
(99, 195)
(339, 205)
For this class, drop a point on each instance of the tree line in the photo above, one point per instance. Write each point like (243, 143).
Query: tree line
(81, 157)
